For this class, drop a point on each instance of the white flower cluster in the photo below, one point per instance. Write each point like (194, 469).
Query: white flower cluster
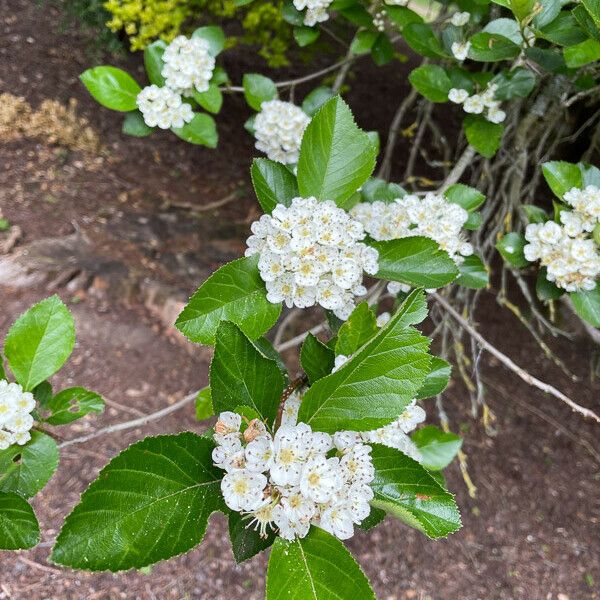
(459, 19)
(379, 20)
(316, 10)
(432, 216)
(188, 65)
(287, 483)
(570, 255)
(460, 50)
(15, 418)
(310, 253)
(162, 107)
(397, 2)
(278, 129)
(478, 104)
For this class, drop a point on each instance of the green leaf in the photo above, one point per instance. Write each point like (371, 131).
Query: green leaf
(26, 469)
(153, 62)
(590, 175)
(305, 36)
(210, 100)
(484, 136)
(437, 378)
(511, 247)
(406, 490)
(72, 404)
(111, 87)
(546, 290)
(241, 376)
(564, 30)
(291, 14)
(561, 176)
(587, 305)
(508, 28)
(437, 447)
(148, 504)
(377, 383)
(593, 8)
(204, 408)
(313, 101)
(39, 342)
(43, 394)
(201, 130)
(363, 41)
(516, 84)
(582, 54)
(378, 189)
(358, 15)
(359, 328)
(258, 89)
(464, 195)
(235, 293)
(417, 261)
(336, 157)
(273, 184)
(316, 567)
(472, 273)
(134, 125)
(422, 39)
(549, 12)
(522, 8)
(535, 214)
(382, 51)
(491, 47)
(550, 59)
(586, 22)
(214, 36)
(432, 82)
(403, 16)
(316, 358)
(19, 528)
(245, 541)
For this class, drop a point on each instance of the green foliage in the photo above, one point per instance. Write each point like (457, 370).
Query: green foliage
(112, 87)
(201, 130)
(204, 408)
(241, 376)
(273, 184)
(19, 528)
(511, 247)
(360, 327)
(317, 566)
(235, 293)
(473, 273)
(39, 342)
(25, 470)
(72, 404)
(416, 261)
(245, 541)
(406, 490)
(438, 448)
(258, 89)
(336, 157)
(149, 503)
(587, 305)
(317, 359)
(484, 136)
(436, 379)
(432, 82)
(392, 366)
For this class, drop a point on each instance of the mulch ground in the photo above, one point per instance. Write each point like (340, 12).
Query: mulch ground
(533, 531)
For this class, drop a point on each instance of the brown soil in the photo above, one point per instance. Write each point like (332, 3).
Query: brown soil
(533, 530)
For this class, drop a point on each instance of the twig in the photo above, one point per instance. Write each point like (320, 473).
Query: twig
(163, 412)
(295, 341)
(459, 168)
(507, 362)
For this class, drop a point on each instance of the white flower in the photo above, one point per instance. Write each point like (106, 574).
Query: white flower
(458, 95)
(188, 65)
(310, 252)
(15, 418)
(337, 520)
(316, 10)
(344, 440)
(259, 454)
(264, 517)
(291, 446)
(321, 479)
(395, 287)
(411, 417)
(474, 104)
(289, 527)
(383, 319)
(243, 490)
(460, 50)
(278, 129)
(162, 107)
(432, 216)
(379, 20)
(495, 115)
(356, 464)
(460, 18)
(289, 415)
